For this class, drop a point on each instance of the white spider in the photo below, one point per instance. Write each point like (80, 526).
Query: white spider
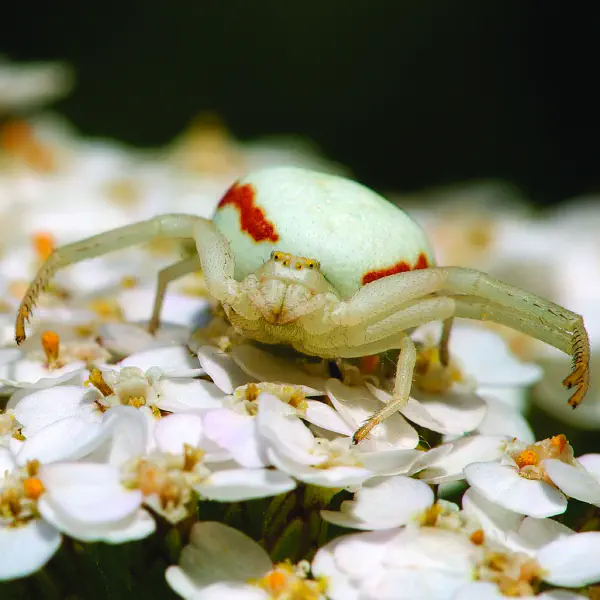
(371, 276)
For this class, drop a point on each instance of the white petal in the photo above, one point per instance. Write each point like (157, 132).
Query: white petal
(485, 356)
(591, 463)
(334, 477)
(179, 395)
(126, 431)
(9, 355)
(217, 553)
(572, 561)
(223, 370)
(235, 485)
(390, 462)
(67, 439)
(174, 431)
(464, 451)
(86, 494)
(376, 505)
(232, 591)
(539, 532)
(33, 374)
(265, 366)
(7, 462)
(42, 407)
(321, 414)
(457, 411)
(357, 404)
(27, 548)
(498, 523)
(503, 485)
(574, 481)
(176, 361)
(339, 586)
(137, 304)
(238, 434)
(502, 419)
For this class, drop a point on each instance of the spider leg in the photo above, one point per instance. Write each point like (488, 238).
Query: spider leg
(213, 250)
(168, 274)
(520, 308)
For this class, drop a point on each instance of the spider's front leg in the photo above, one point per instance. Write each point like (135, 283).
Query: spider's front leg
(213, 253)
(477, 296)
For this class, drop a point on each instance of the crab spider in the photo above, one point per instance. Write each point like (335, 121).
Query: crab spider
(327, 266)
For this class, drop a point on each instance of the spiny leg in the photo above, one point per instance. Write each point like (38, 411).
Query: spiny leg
(402, 385)
(445, 342)
(164, 226)
(168, 274)
(383, 296)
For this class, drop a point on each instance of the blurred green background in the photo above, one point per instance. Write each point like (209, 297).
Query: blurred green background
(407, 93)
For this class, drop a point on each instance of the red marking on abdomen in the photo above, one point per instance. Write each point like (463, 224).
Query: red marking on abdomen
(252, 218)
(399, 267)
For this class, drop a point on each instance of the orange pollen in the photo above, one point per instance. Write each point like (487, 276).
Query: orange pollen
(44, 244)
(368, 364)
(478, 537)
(51, 345)
(527, 458)
(33, 488)
(559, 442)
(275, 581)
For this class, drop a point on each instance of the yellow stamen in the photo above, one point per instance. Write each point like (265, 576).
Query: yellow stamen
(97, 380)
(44, 244)
(18, 140)
(51, 346)
(559, 442)
(527, 458)
(107, 309)
(298, 400)
(33, 488)
(275, 582)
(128, 282)
(368, 364)
(252, 392)
(191, 457)
(478, 537)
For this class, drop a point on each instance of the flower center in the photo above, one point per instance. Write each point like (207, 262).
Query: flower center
(168, 479)
(530, 459)
(431, 375)
(19, 494)
(289, 582)
(515, 574)
(248, 394)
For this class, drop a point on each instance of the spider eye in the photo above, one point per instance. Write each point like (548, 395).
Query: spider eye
(276, 255)
(311, 264)
(299, 266)
(286, 263)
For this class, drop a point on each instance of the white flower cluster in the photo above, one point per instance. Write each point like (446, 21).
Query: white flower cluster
(109, 433)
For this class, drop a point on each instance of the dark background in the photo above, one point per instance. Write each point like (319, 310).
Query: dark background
(407, 93)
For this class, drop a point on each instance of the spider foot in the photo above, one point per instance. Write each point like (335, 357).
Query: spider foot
(363, 431)
(580, 378)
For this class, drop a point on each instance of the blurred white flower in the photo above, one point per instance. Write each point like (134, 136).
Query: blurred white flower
(26, 85)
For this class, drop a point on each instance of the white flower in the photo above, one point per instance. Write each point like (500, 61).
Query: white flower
(293, 448)
(383, 503)
(26, 541)
(25, 85)
(50, 359)
(88, 501)
(222, 562)
(168, 476)
(531, 479)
